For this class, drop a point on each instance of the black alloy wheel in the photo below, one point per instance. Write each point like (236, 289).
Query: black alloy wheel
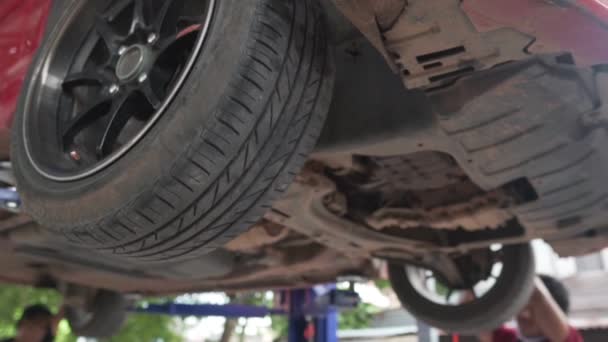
(120, 67)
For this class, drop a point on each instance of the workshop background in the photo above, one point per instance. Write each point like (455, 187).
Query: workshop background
(377, 317)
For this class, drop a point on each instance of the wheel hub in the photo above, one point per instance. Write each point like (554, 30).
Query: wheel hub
(131, 62)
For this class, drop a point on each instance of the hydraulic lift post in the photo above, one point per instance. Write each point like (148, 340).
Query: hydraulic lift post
(312, 313)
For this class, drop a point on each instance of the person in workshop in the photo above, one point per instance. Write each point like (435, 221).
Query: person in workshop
(543, 319)
(37, 324)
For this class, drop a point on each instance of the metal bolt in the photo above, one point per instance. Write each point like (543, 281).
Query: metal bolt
(142, 78)
(114, 89)
(75, 155)
(152, 38)
(122, 50)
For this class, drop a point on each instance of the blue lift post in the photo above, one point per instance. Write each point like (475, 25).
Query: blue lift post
(321, 306)
(326, 327)
(313, 313)
(298, 323)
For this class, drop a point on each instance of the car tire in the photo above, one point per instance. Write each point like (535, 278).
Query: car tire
(103, 318)
(232, 140)
(501, 303)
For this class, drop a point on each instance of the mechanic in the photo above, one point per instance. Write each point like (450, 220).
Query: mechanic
(37, 324)
(543, 319)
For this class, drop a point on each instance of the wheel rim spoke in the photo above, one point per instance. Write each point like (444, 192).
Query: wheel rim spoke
(107, 34)
(178, 42)
(81, 120)
(86, 77)
(119, 113)
(158, 21)
(165, 44)
(114, 10)
(140, 12)
(148, 91)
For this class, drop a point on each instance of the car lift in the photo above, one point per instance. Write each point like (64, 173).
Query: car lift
(313, 313)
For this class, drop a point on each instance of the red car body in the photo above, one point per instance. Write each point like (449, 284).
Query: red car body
(22, 24)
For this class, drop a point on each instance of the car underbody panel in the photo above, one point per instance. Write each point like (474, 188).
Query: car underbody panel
(523, 123)
(267, 257)
(431, 42)
(528, 133)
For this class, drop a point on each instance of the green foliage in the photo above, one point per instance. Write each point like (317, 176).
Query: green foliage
(280, 327)
(149, 328)
(358, 318)
(14, 299)
(441, 289)
(64, 333)
(144, 328)
(383, 284)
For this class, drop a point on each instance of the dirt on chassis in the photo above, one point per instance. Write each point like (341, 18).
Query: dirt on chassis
(452, 133)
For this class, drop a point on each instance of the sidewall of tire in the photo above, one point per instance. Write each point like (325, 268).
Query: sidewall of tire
(506, 298)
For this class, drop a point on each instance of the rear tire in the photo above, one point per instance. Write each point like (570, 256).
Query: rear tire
(232, 140)
(501, 303)
(104, 317)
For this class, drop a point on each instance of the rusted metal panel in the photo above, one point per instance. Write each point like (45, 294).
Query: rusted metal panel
(263, 234)
(478, 213)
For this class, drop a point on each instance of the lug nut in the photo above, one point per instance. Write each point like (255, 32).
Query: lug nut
(152, 38)
(113, 89)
